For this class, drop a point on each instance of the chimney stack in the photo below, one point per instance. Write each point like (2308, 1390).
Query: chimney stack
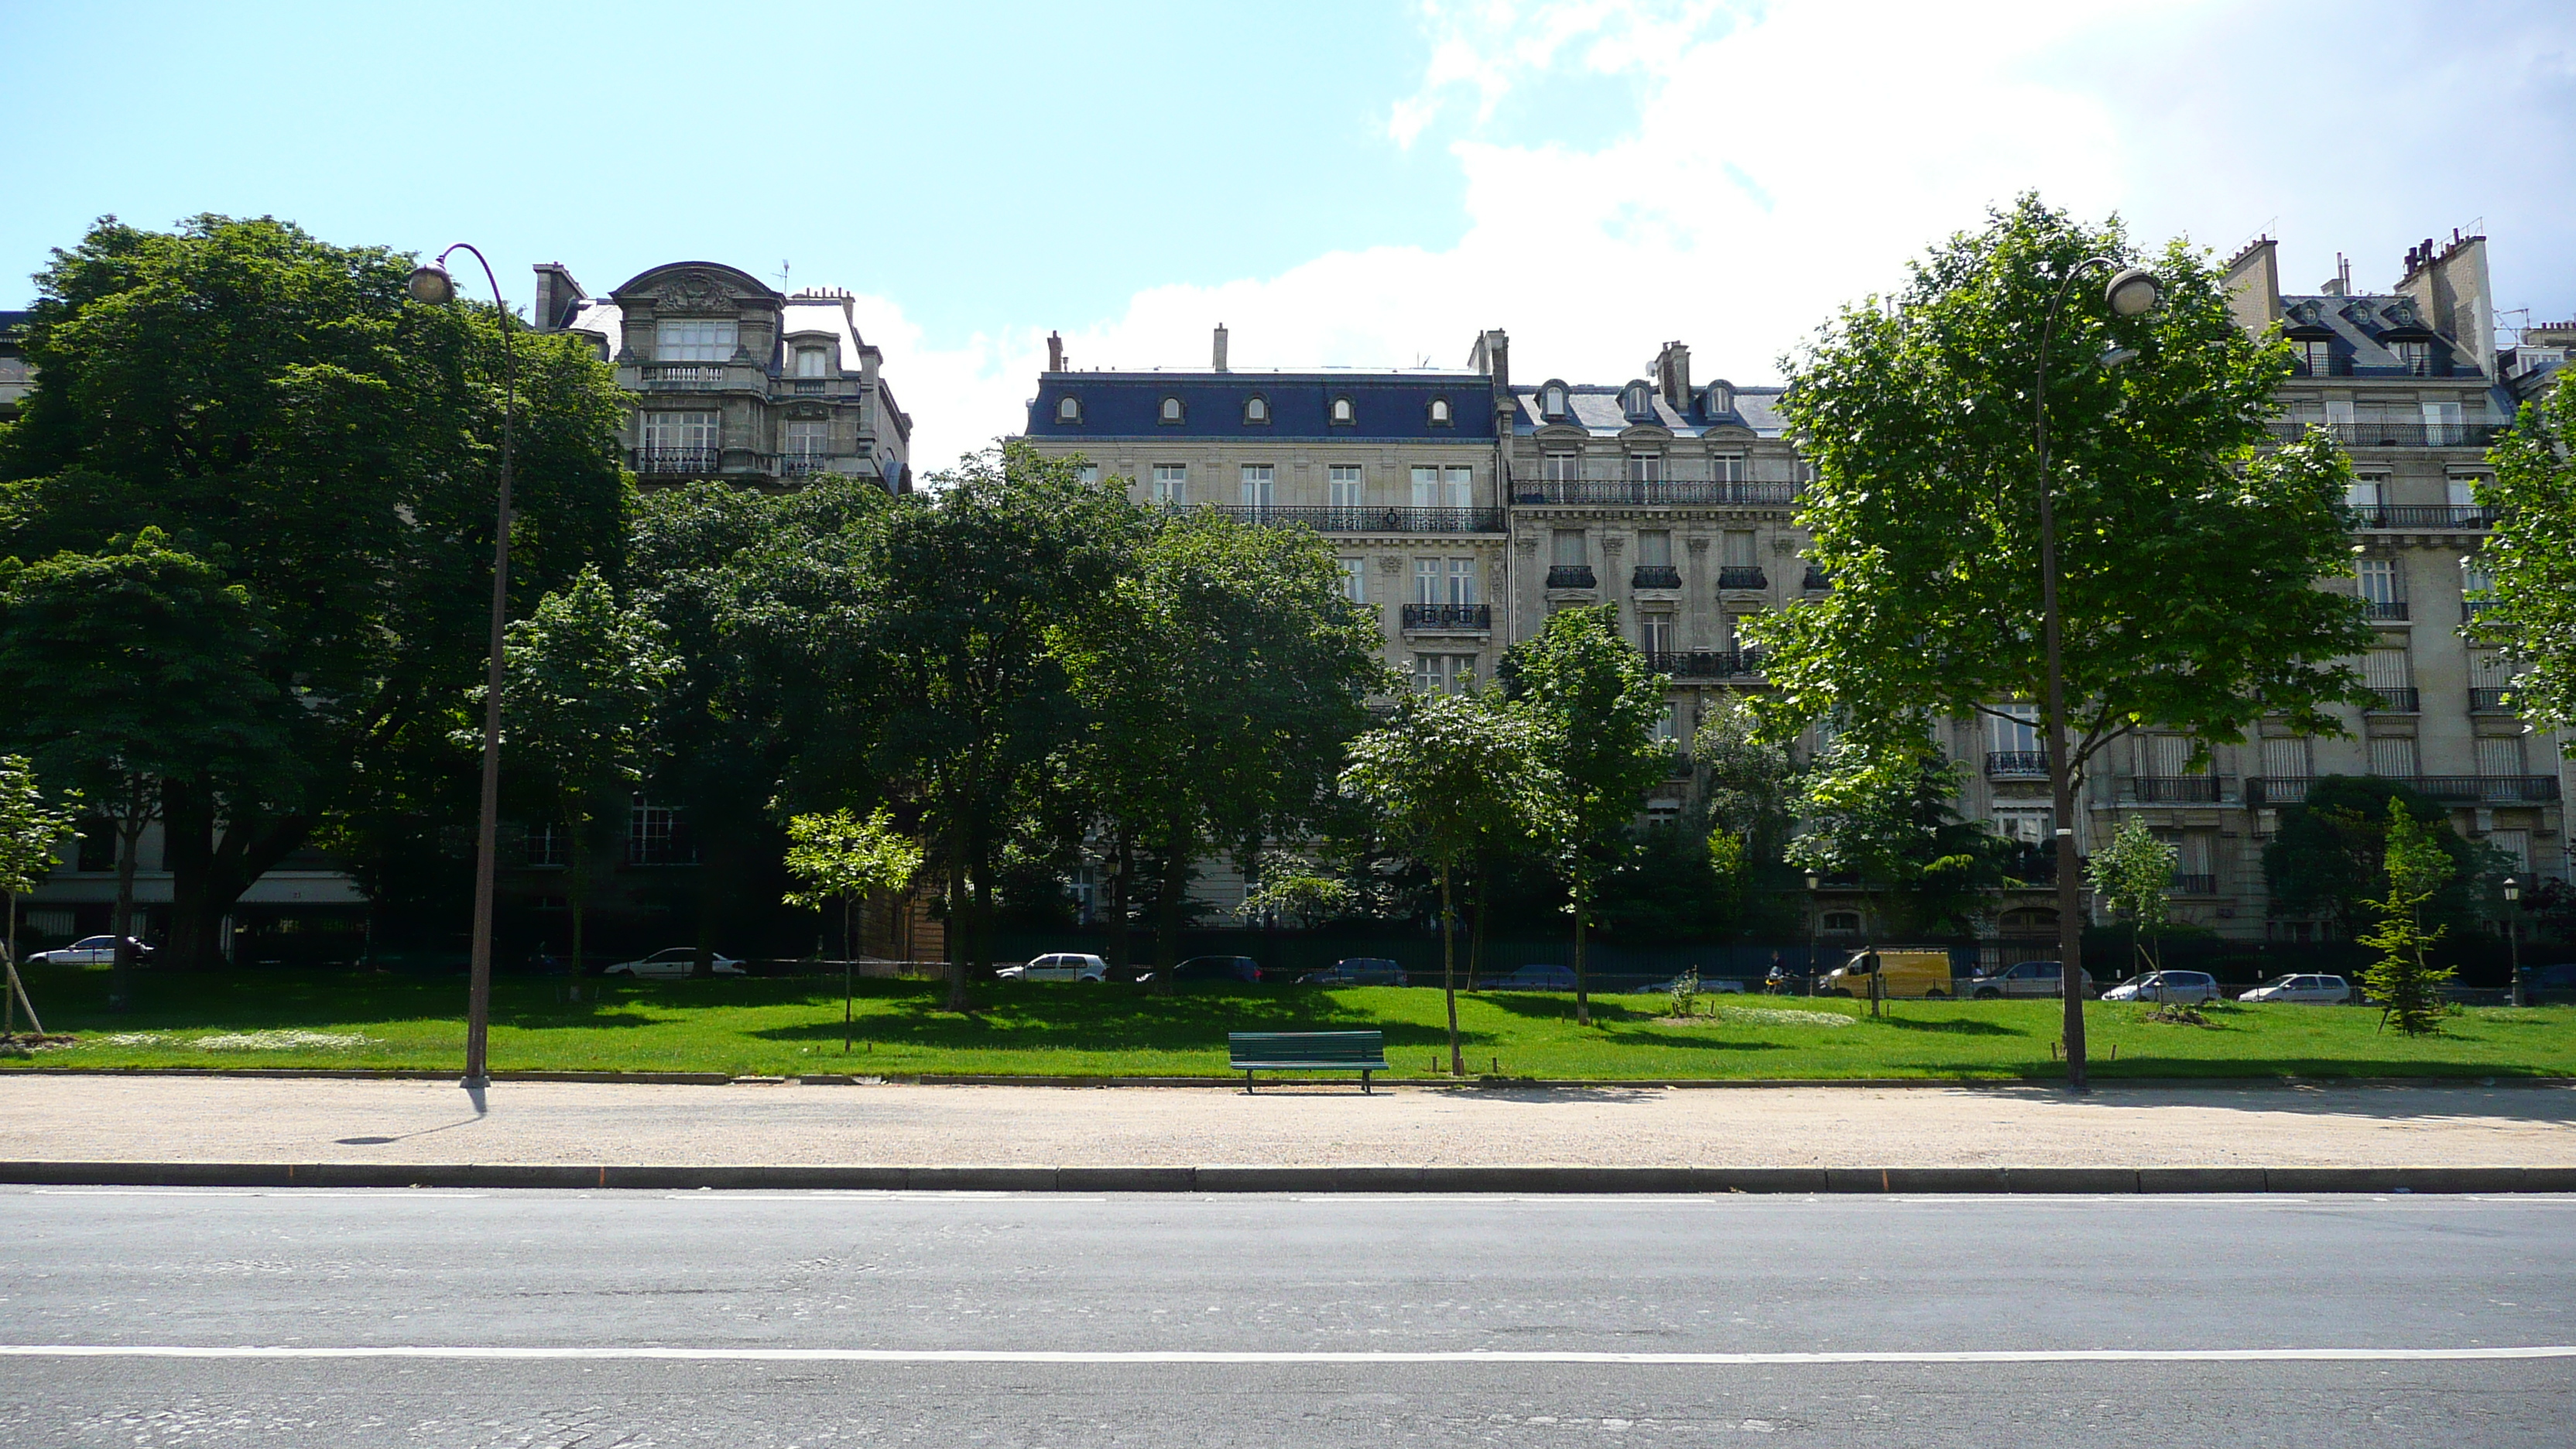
(556, 294)
(1220, 347)
(1055, 352)
(1672, 376)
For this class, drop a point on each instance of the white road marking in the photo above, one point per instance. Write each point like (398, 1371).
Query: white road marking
(1154, 1356)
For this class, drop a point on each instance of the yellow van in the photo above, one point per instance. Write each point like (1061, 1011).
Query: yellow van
(1906, 972)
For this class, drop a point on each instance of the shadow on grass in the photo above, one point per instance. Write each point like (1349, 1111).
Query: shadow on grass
(1957, 1026)
(1098, 1019)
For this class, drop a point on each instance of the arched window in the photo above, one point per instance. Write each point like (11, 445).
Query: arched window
(1068, 410)
(1634, 400)
(1343, 413)
(1440, 412)
(1171, 410)
(1551, 402)
(1256, 409)
(1721, 399)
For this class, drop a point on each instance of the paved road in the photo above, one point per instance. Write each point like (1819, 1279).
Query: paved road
(598, 1319)
(251, 1119)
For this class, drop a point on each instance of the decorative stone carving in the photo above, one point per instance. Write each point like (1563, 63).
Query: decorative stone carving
(1389, 564)
(695, 292)
(1525, 545)
(1697, 543)
(1614, 544)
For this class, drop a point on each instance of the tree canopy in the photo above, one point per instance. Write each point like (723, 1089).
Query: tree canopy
(2530, 559)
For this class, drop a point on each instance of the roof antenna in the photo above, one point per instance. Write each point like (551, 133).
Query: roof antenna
(782, 274)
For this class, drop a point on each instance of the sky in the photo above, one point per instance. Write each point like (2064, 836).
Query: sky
(1341, 184)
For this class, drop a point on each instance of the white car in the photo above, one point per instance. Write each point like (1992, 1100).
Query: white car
(2319, 990)
(2029, 978)
(1059, 966)
(674, 963)
(2191, 988)
(88, 951)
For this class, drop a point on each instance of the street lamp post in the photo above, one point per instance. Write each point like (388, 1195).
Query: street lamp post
(2131, 292)
(431, 284)
(2513, 936)
(1815, 927)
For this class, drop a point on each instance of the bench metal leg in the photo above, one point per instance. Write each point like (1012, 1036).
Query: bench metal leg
(1247, 1082)
(1364, 1083)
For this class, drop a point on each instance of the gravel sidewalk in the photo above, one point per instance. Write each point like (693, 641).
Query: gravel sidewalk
(250, 1119)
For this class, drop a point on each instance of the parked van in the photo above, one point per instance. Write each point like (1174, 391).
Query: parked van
(1902, 972)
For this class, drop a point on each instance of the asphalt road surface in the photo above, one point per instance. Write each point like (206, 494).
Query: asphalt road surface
(148, 1318)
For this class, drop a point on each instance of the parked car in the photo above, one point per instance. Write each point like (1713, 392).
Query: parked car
(672, 963)
(2316, 990)
(2190, 988)
(1057, 966)
(2029, 978)
(2549, 983)
(1924, 973)
(1542, 977)
(88, 951)
(1213, 968)
(1359, 971)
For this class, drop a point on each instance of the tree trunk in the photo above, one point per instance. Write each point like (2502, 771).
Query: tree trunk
(577, 888)
(1123, 862)
(210, 868)
(961, 925)
(1170, 895)
(1582, 982)
(129, 839)
(1449, 970)
(1476, 935)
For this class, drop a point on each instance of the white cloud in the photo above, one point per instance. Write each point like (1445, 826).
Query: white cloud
(1788, 158)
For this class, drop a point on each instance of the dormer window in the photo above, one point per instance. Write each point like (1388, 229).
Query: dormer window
(1551, 402)
(1342, 413)
(1721, 399)
(2415, 357)
(1256, 411)
(1440, 412)
(1171, 413)
(1068, 410)
(1637, 401)
(2315, 355)
(813, 362)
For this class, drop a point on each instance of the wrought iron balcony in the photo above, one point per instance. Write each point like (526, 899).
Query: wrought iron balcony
(1344, 519)
(1655, 576)
(1742, 576)
(2397, 701)
(2449, 789)
(2397, 434)
(2176, 789)
(681, 462)
(1657, 491)
(2425, 515)
(2016, 764)
(2489, 701)
(1570, 576)
(1449, 616)
(2276, 789)
(802, 465)
(1706, 663)
(2383, 608)
(2193, 885)
(1816, 579)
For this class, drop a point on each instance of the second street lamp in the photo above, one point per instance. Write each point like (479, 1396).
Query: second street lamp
(2132, 292)
(2513, 938)
(430, 284)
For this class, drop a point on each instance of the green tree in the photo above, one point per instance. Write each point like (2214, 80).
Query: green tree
(2530, 558)
(1886, 818)
(1748, 787)
(1595, 705)
(1447, 776)
(2329, 855)
(135, 666)
(839, 857)
(583, 679)
(2409, 986)
(2130, 877)
(280, 409)
(31, 836)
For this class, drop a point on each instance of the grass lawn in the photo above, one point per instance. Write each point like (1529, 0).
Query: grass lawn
(792, 1027)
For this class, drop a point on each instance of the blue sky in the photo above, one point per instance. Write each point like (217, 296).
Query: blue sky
(1342, 184)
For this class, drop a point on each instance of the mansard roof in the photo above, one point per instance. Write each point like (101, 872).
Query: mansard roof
(1595, 408)
(1385, 406)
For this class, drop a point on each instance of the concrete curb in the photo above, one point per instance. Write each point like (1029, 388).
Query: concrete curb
(1376, 1179)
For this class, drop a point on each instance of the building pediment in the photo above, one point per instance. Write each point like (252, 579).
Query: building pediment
(707, 289)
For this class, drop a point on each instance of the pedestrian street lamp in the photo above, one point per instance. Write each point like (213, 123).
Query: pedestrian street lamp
(1815, 926)
(431, 285)
(2513, 935)
(2131, 292)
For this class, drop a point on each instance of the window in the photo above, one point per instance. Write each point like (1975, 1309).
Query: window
(549, 844)
(1355, 580)
(1342, 485)
(2015, 731)
(2461, 493)
(1636, 401)
(2366, 491)
(806, 439)
(2315, 355)
(1462, 581)
(2379, 580)
(1842, 923)
(1668, 725)
(693, 340)
(1727, 468)
(1440, 412)
(1171, 411)
(2393, 756)
(652, 834)
(1655, 633)
(2385, 669)
(680, 432)
(1259, 485)
(1342, 414)
(1444, 673)
(2475, 582)
(1443, 487)
(1738, 549)
(812, 362)
(1721, 399)
(1444, 581)
(1171, 484)
(2500, 756)
(2165, 756)
(1567, 548)
(1645, 467)
(1655, 548)
(2442, 424)
(1256, 410)
(2516, 845)
(2028, 824)
(1427, 576)
(2286, 759)
(1551, 401)
(1068, 410)
(1560, 467)
(1087, 474)
(2415, 357)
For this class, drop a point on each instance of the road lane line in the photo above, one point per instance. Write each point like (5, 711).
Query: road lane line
(1156, 1356)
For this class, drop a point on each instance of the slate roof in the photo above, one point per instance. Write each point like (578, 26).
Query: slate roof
(1385, 406)
(1595, 408)
(2364, 329)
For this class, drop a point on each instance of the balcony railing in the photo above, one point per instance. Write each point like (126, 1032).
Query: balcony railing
(1706, 663)
(2176, 789)
(2193, 885)
(2383, 608)
(669, 461)
(2450, 789)
(2397, 435)
(684, 374)
(1655, 576)
(2397, 701)
(1677, 491)
(1570, 576)
(1449, 616)
(2489, 701)
(1346, 519)
(803, 465)
(2425, 515)
(1742, 576)
(1816, 579)
(2016, 764)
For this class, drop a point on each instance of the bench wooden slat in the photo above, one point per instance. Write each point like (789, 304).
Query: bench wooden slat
(1306, 1051)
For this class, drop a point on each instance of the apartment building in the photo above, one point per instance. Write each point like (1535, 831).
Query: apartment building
(734, 380)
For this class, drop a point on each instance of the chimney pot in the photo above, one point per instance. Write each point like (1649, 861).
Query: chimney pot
(1220, 347)
(1055, 352)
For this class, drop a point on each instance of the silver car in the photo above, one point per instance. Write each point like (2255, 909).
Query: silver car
(672, 963)
(2315, 990)
(2030, 978)
(1057, 966)
(2190, 988)
(88, 951)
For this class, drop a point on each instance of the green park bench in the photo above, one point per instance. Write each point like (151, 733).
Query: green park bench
(1306, 1051)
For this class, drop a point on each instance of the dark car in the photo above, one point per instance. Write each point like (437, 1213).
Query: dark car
(1542, 977)
(1213, 968)
(2542, 984)
(1359, 971)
